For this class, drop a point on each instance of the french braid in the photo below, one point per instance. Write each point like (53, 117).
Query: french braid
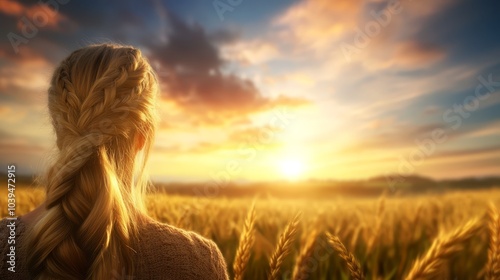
(100, 99)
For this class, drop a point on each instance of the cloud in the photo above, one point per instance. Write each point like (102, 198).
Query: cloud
(51, 18)
(492, 100)
(389, 135)
(431, 110)
(25, 79)
(194, 76)
(376, 31)
(28, 157)
(219, 84)
(394, 69)
(467, 165)
(317, 24)
(10, 150)
(414, 54)
(467, 153)
(39, 14)
(10, 7)
(251, 52)
(488, 129)
(11, 115)
(250, 137)
(265, 133)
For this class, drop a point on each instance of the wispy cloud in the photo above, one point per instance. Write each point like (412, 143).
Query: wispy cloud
(354, 116)
(193, 73)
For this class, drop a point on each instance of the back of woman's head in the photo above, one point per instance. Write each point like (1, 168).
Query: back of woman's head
(102, 105)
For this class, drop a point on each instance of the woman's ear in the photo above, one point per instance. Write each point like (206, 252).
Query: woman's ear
(139, 142)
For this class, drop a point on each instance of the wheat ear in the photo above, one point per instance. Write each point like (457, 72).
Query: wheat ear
(245, 245)
(352, 263)
(441, 249)
(283, 247)
(378, 224)
(182, 218)
(300, 271)
(493, 265)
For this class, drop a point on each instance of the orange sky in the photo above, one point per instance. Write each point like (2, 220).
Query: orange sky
(284, 90)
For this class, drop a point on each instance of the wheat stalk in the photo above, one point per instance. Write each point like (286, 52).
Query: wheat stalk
(378, 223)
(441, 249)
(493, 265)
(300, 270)
(245, 244)
(352, 263)
(180, 221)
(284, 244)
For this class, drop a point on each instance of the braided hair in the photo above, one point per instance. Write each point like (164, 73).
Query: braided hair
(102, 101)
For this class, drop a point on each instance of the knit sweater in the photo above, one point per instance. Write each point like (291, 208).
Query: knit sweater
(164, 252)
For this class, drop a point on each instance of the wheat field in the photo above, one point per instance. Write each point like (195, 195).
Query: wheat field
(454, 235)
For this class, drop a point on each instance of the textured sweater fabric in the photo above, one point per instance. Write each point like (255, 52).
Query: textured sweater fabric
(164, 252)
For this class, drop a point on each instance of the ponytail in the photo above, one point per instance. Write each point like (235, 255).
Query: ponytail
(101, 99)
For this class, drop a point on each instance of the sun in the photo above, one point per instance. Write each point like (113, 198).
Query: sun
(291, 168)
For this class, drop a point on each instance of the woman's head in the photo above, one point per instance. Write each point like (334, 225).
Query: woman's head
(105, 94)
(102, 102)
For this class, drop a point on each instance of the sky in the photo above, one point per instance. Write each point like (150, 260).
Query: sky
(255, 90)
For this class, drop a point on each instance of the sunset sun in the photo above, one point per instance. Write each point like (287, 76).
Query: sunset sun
(291, 168)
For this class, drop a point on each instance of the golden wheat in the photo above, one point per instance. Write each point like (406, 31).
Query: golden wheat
(352, 263)
(245, 245)
(283, 247)
(378, 225)
(181, 220)
(406, 225)
(301, 268)
(493, 265)
(441, 249)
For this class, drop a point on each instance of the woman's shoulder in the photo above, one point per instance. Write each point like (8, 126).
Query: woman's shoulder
(158, 233)
(182, 254)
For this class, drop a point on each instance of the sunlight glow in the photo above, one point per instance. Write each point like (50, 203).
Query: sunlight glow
(291, 168)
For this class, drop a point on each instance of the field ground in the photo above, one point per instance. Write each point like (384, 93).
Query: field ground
(385, 234)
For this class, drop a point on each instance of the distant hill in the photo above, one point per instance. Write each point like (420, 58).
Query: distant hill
(412, 185)
(317, 189)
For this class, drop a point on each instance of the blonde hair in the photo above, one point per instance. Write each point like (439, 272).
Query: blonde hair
(102, 99)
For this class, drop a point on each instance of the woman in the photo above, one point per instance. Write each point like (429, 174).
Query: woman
(93, 223)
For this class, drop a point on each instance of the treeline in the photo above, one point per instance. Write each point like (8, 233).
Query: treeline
(314, 189)
(319, 189)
